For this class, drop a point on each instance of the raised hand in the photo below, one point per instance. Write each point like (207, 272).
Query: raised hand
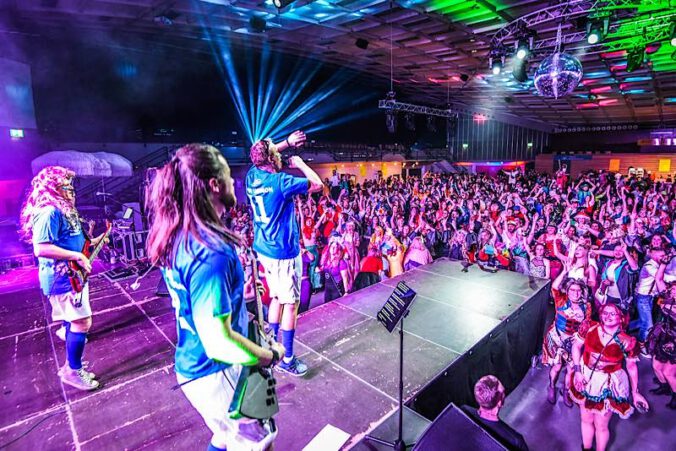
(296, 139)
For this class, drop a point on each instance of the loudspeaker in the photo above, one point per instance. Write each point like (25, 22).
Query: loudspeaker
(454, 430)
(361, 43)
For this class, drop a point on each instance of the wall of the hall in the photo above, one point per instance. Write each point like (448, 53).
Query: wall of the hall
(491, 140)
(621, 162)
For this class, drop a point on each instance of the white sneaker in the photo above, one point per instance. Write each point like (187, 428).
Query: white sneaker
(61, 333)
(65, 368)
(79, 379)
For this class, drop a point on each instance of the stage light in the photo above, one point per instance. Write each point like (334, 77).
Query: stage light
(362, 43)
(520, 71)
(16, 133)
(257, 24)
(594, 36)
(597, 30)
(522, 49)
(279, 4)
(496, 65)
(635, 58)
(391, 121)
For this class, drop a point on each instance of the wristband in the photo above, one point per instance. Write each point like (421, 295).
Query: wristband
(288, 144)
(576, 368)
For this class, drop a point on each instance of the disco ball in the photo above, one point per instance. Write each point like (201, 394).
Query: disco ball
(558, 75)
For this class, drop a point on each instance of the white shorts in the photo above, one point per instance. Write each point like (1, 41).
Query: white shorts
(71, 306)
(211, 396)
(283, 277)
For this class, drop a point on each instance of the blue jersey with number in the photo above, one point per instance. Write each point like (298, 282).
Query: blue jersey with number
(51, 225)
(276, 231)
(207, 282)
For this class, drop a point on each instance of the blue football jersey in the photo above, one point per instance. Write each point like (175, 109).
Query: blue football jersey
(204, 281)
(50, 225)
(276, 231)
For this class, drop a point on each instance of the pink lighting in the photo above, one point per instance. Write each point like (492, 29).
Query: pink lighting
(589, 105)
(617, 54)
(601, 89)
(480, 118)
(607, 102)
(616, 67)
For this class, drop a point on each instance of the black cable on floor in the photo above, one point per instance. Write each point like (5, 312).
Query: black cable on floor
(5, 445)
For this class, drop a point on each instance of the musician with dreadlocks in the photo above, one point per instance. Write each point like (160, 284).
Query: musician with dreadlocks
(50, 221)
(200, 265)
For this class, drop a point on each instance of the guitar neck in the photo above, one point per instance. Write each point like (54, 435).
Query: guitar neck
(259, 302)
(99, 246)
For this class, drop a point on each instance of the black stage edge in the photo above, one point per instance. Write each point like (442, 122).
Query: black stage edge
(506, 352)
(462, 326)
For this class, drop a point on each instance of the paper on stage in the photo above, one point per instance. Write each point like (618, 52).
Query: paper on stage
(329, 439)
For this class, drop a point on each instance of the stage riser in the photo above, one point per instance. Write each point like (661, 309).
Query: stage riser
(506, 353)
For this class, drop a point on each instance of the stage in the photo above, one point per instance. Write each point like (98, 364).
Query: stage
(352, 382)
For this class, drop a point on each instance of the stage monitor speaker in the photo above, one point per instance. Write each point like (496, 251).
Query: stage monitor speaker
(454, 430)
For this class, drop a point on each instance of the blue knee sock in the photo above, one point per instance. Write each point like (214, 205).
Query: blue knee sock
(275, 329)
(287, 341)
(75, 343)
(213, 448)
(66, 325)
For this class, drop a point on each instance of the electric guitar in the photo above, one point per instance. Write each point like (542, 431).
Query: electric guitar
(255, 394)
(77, 275)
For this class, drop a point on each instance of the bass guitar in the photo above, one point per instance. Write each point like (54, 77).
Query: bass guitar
(255, 394)
(77, 275)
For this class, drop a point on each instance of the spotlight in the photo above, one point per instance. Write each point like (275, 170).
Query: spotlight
(496, 67)
(496, 60)
(279, 4)
(523, 48)
(257, 24)
(520, 71)
(391, 121)
(362, 43)
(635, 58)
(597, 30)
(594, 36)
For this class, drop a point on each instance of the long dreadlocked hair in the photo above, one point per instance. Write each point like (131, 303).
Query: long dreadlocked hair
(44, 192)
(178, 201)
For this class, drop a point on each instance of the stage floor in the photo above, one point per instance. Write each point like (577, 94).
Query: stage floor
(352, 383)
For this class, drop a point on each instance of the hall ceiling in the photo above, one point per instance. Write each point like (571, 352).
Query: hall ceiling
(436, 50)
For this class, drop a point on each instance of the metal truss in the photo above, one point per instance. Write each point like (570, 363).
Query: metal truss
(393, 105)
(643, 32)
(565, 11)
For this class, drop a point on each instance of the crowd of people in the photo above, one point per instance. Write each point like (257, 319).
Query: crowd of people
(605, 240)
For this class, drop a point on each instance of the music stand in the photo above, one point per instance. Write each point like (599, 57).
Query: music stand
(393, 312)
